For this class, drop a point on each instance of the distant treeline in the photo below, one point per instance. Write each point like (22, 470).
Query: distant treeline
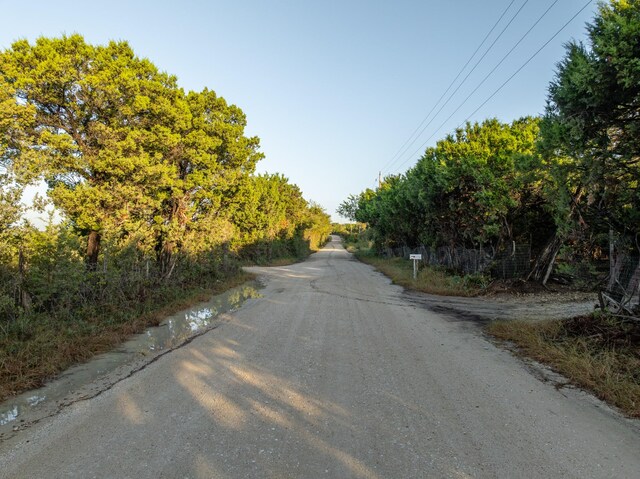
(568, 181)
(155, 185)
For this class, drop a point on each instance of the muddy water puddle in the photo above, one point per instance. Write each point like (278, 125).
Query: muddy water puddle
(89, 379)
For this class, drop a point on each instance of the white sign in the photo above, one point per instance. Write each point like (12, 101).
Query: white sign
(415, 256)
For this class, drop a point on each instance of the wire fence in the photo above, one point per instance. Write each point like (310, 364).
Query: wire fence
(624, 283)
(511, 262)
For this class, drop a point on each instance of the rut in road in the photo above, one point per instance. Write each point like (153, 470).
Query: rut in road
(334, 373)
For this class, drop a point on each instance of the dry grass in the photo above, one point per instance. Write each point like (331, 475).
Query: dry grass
(597, 353)
(283, 261)
(35, 351)
(429, 280)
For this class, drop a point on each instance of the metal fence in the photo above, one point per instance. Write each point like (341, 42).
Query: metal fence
(624, 282)
(511, 262)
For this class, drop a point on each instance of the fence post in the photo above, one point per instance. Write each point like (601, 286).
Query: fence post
(23, 299)
(612, 262)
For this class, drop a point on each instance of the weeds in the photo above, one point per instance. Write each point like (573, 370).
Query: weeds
(598, 353)
(284, 261)
(429, 279)
(35, 348)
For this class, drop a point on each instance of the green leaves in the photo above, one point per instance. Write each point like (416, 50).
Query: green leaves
(10, 207)
(593, 117)
(271, 211)
(348, 208)
(574, 173)
(77, 118)
(466, 190)
(128, 154)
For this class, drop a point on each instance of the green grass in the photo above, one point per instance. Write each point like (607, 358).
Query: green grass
(35, 348)
(598, 353)
(429, 279)
(284, 261)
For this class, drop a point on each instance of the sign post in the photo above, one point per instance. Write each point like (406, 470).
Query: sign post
(415, 258)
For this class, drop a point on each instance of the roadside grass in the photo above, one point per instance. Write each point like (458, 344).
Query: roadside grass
(278, 261)
(598, 353)
(429, 280)
(34, 350)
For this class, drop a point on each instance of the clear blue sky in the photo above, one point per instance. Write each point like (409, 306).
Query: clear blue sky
(333, 88)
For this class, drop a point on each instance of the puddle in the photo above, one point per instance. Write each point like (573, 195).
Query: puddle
(89, 379)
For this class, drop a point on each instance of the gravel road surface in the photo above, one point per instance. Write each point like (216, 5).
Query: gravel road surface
(333, 373)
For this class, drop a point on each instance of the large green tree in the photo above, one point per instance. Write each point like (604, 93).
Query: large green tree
(270, 209)
(209, 159)
(474, 181)
(78, 117)
(480, 185)
(591, 128)
(348, 208)
(273, 219)
(124, 150)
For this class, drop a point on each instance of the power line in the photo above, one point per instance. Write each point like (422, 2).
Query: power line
(527, 62)
(483, 80)
(388, 164)
(503, 84)
(463, 80)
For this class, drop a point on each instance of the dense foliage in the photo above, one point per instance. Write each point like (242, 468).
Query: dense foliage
(472, 188)
(273, 220)
(593, 121)
(155, 185)
(568, 178)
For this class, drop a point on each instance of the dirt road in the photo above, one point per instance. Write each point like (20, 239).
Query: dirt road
(332, 373)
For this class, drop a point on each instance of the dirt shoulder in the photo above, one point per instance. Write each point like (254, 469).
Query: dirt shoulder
(510, 305)
(508, 300)
(551, 328)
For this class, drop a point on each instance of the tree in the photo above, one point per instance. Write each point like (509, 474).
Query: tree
(593, 118)
(273, 219)
(77, 116)
(476, 179)
(590, 134)
(475, 186)
(208, 160)
(270, 207)
(10, 207)
(348, 208)
(316, 226)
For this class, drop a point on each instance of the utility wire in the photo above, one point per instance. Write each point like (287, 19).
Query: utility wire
(463, 80)
(448, 88)
(527, 62)
(482, 81)
(503, 84)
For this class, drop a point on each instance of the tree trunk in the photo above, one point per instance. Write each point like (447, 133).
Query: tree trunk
(93, 249)
(167, 259)
(23, 299)
(612, 262)
(167, 245)
(544, 262)
(546, 259)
